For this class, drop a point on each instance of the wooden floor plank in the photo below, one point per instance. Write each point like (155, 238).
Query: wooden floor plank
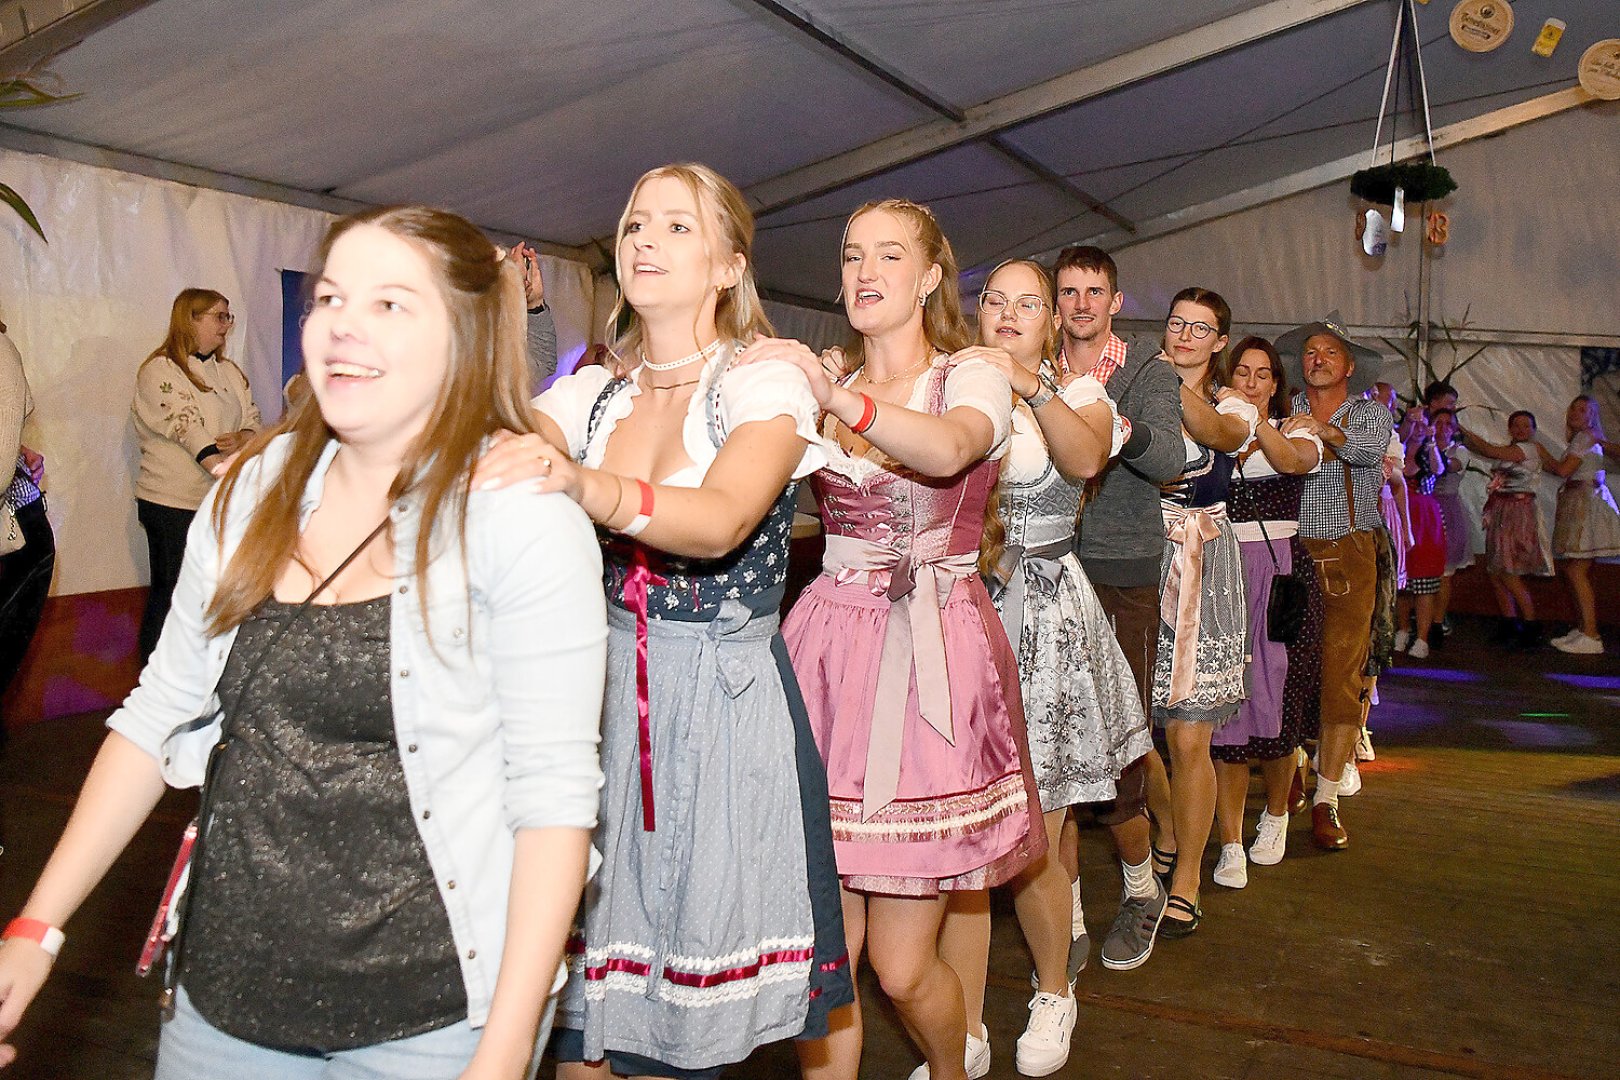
(1468, 931)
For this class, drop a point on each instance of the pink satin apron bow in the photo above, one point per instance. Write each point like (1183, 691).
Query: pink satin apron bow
(913, 642)
(637, 579)
(1181, 603)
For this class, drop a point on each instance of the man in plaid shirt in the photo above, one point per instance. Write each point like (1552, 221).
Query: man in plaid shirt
(1338, 523)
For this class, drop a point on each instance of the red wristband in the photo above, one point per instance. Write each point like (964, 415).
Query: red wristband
(643, 516)
(40, 933)
(868, 416)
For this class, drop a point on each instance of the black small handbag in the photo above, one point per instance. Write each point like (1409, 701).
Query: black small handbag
(1289, 597)
(1285, 607)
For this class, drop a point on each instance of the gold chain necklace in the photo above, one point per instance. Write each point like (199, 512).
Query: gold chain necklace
(900, 375)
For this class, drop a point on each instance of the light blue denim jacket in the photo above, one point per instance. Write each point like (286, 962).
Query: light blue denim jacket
(498, 715)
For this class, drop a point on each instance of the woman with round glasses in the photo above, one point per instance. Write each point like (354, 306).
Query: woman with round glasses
(1200, 676)
(1081, 704)
(192, 408)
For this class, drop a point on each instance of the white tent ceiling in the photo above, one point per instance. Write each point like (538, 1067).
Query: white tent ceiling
(534, 118)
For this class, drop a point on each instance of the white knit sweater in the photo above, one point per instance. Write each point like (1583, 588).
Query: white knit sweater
(174, 421)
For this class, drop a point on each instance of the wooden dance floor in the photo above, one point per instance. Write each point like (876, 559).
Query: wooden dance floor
(1468, 932)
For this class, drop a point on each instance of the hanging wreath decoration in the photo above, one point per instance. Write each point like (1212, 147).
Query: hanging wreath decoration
(1423, 181)
(1393, 183)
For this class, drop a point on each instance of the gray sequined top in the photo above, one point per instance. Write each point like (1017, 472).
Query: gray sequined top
(316, 924)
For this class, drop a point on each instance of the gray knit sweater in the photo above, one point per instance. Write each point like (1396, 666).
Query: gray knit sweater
(542, 349)
(1120, 534)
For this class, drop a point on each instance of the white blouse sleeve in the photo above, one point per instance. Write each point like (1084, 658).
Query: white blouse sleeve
(766, 390)
(1310, 437)
(1083, 390)
(1243, 410)
(569, 401)
(977, 385)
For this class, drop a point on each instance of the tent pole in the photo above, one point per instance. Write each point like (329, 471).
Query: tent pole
(1424, 311)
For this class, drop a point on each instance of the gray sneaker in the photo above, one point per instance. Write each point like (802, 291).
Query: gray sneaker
(1130, 939)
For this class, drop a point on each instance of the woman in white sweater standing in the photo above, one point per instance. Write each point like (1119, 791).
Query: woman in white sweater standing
(192, 407)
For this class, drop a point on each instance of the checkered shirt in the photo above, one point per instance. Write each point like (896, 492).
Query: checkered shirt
(1112, 358)
(1324, 511)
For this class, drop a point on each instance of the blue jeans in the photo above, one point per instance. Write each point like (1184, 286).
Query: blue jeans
(190, 1048)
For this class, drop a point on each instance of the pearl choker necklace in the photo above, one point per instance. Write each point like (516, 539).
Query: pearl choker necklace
(702, 354)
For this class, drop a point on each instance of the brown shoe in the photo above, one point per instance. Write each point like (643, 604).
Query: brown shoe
(1296, 793)
(1325, 828)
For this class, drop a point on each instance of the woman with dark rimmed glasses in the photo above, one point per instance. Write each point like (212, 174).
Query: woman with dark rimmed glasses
(1200, 674)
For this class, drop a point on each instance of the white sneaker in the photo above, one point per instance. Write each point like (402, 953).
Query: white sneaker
(1044, 1046)
(1270, 840)
(1364, 746)
(1566, 639)
(976, 1060)
(1580, 645)
(1402, 637)
(1350, 779)
(1233, 868)
(1419, 650)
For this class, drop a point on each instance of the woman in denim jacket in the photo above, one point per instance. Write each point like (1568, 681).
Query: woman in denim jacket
(398, 823)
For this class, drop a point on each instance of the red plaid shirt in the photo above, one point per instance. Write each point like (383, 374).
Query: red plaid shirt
(1112, 358)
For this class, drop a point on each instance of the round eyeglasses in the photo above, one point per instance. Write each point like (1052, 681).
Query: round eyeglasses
(1027, 306)
(1200, 330)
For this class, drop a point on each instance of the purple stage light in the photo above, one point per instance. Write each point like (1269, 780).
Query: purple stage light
(1528, 733)
(1451, 675)
(1588, 682)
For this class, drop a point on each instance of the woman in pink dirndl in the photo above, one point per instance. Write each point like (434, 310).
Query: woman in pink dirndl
(910, 684)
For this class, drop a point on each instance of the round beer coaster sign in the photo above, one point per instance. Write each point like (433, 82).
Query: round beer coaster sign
(1481, 25)
(1600, 70)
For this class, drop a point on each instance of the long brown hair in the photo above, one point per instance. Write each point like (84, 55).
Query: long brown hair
(485, 389)
(1277, 406)
(728, 231)
(181, 340)
(944, 326)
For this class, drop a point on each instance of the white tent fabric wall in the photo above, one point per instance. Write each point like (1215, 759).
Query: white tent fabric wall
(1534, 226)
(1529, 203)
(86, 309)
(817, 329)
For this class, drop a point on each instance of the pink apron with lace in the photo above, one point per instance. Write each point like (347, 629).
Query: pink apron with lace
(911, 687)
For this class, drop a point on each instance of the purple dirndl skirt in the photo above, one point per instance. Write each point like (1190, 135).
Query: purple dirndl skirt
(1260, 715)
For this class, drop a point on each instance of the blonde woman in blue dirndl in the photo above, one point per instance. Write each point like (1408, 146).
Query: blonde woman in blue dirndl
(714, 925)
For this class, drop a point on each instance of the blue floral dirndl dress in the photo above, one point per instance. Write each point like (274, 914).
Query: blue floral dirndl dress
(714, 925)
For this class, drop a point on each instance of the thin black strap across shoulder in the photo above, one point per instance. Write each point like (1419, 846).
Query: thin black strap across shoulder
(171, 970)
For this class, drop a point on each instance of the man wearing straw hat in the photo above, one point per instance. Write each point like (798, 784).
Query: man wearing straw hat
(1338, 522)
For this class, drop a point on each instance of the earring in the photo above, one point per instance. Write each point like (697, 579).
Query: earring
(922, 301)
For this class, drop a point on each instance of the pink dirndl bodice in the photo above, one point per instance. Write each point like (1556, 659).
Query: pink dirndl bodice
(910, 684)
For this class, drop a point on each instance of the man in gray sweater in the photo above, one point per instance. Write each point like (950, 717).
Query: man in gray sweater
(1120, 542)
